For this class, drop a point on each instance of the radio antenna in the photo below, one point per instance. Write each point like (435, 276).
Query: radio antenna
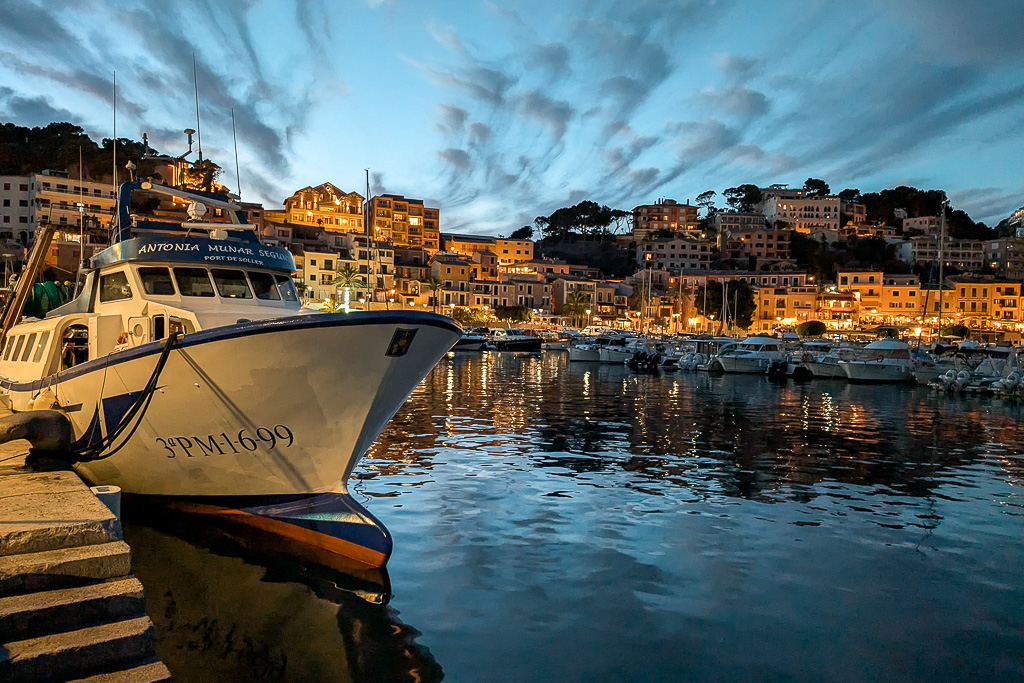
(199, 131)
(238, 178)
(113, 145)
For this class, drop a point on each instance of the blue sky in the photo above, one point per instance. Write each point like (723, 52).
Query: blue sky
(500, 112)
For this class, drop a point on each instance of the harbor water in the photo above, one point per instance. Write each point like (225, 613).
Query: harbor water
(556, 521)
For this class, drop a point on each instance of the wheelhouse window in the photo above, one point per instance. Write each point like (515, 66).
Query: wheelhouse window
(28, 347)
(193, 281)
(156, 281)
(231, 284)
(264, 286)
(115, 287)
(41, 346)
(287, 288)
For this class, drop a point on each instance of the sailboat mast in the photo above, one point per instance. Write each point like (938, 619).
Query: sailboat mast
(942, 257)
(371, 282)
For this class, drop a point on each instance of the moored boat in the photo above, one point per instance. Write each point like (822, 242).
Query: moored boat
(752, 355)
(886, 360)
(188, 368)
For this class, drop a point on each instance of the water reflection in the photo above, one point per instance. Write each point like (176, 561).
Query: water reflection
(714, 435)
(227, 607)
(555, 521)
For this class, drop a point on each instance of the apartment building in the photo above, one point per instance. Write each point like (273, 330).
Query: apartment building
(802, 213)
(324, 206)
(675, 255)
(986, 300)
(922, 225)
(758, 242)
(1006, 256)
(966, 255)
(563, 285)
(508, 251)
(754, 279)
(51, 197)
(664, 214)
(777, 306)
(901, 298)
(405, 222)
(866, 285)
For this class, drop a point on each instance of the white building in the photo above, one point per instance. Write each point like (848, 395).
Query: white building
(27, 201)
(965, 255)
(804, 214)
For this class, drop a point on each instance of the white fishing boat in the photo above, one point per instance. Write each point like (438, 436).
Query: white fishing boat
(187, 368)
(886, 360)
(752, 355)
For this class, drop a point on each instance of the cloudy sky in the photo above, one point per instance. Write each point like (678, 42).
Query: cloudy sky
(498, 112)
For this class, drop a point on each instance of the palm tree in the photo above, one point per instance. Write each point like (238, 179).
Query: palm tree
(576, 302)
(435, 285)
(347, 277)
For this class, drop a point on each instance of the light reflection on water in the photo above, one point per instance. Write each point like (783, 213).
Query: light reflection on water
(578, 522)
(581, 522)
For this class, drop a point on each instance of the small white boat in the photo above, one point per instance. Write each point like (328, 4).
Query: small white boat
(886, 360)
(752, 355)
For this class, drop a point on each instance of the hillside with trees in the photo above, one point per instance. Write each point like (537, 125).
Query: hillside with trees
(584, 234)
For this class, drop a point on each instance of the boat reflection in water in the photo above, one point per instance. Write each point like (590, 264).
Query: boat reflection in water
(233, 604)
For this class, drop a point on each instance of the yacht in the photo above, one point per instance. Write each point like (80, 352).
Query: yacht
(512, 339)
(618, 349)
(470, 341)
(188, 367)
(753, 354)
(820, 359)
(886, 360)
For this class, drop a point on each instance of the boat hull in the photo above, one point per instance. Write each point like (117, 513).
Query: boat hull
(529, 344)
(873, 371)
(745, 364)
(279, 407)
(584, 354)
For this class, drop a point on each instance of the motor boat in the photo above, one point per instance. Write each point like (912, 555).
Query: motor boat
(752, 355)
(470, 342)
(886, 360)
(188, 368)
(512, 339)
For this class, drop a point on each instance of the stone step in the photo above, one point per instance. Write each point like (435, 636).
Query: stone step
(42, 511)
(37, 614)
(84, 652)
(64, 568)
(143, 673)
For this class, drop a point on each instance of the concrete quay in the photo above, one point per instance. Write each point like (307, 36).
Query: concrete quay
(69, 607)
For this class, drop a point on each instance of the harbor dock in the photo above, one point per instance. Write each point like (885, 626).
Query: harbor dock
(70, 608)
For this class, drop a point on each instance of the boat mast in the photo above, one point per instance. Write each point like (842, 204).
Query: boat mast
(81, 223)
(238, 176)
(199, 131)
(371, 282)
(942, 258)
